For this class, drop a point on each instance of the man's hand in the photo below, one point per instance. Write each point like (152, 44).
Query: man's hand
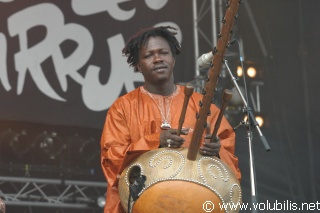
(210, 149)
(169, 138)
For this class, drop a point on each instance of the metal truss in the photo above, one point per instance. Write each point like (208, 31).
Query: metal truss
(21, 191)
(200, 9)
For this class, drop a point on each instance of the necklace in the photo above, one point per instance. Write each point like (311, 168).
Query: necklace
(164, 105)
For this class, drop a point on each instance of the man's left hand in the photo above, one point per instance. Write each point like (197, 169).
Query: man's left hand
(210, 149)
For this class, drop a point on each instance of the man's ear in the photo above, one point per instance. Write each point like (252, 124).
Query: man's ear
(137, 68)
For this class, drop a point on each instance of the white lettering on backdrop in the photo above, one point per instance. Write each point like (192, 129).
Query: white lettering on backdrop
(3, 63)
(96, 96)
(85, 7)
(30, 59)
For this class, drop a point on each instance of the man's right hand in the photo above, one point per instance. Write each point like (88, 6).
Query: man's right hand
(169, 138)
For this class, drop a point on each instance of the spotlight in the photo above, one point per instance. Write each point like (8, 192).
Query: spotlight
(50, 144)
(261, 119)
(20, 143)
(88, 151)
(82, 151)
(14, 143)
(252, 72)
(251, 69)
(239, 71)
(101, 201)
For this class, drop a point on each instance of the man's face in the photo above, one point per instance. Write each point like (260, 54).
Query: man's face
(156, 61)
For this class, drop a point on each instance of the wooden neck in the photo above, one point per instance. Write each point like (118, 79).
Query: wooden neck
(212, 79)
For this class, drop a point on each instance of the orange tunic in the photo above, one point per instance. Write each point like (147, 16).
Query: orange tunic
(133, 123)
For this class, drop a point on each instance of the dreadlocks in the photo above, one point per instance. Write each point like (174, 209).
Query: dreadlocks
(131, 50)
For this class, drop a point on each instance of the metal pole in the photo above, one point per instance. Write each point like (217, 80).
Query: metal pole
(195, 35)
(214, 22)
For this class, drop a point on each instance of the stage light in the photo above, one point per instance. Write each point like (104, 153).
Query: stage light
(89, 150)
(16, 143)
(83, 151)
(251, 69)
(101, 201)
(259, 118)
(20, 143)
(239, 71)
(252, 72)
(50, 144)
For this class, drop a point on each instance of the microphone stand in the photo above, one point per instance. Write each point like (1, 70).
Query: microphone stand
(250, 121)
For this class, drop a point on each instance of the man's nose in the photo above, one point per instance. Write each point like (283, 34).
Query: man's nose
(157, 58)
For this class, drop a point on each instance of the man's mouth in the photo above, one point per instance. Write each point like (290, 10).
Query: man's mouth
(160, 68)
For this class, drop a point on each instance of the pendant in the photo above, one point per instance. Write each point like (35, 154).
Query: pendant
(165, 125)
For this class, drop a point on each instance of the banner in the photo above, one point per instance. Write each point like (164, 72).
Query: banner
(61, 61)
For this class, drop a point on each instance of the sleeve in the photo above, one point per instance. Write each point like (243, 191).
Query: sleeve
(115, 143)
(227, 150)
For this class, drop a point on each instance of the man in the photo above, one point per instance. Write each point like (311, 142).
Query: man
(147, 118)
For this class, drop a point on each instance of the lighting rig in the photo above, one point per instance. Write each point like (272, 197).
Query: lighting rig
(50, 167)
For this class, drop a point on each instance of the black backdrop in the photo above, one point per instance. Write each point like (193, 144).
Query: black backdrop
(76, 47)
(289, 32)
(285, 42)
